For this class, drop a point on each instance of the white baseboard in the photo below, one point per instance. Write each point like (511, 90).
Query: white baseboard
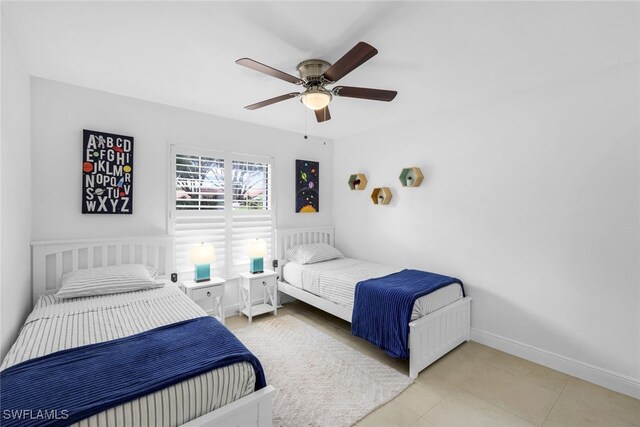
(600, 376)
(231, 310)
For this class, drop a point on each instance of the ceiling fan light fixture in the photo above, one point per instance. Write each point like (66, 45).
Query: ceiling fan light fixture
(316, 75)
(316, 99)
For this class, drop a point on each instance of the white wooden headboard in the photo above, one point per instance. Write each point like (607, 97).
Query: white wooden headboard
(286, 238)
(51, 259)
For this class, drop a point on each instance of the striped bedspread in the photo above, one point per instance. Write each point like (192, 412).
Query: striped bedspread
(125, 368)
(54, 326)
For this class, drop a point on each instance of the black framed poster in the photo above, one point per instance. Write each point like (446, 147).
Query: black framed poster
(107, 173)
(307, 186)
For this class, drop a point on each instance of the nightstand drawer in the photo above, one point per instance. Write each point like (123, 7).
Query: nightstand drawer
(205, 293)
(209, 295)
(267, 281)
(257, 281)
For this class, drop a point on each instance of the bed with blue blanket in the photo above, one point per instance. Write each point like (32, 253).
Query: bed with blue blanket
(149, 357)
(410, 314)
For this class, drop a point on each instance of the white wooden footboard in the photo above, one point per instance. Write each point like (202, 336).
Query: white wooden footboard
(254, 410)
(436, 334)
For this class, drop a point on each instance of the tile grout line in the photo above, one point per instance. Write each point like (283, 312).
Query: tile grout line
(433, 407)
(499, 407)
(436, 404)
(555, 403)
(523, 377)
(459, 387)
(484, 362)
(612, 414)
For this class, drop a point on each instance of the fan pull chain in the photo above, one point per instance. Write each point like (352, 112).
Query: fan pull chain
(305, 123)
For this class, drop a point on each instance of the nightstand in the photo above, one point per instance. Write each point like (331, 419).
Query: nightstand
(208, 294)
(267, 281)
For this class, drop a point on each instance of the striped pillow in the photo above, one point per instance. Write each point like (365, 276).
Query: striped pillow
(312, 253)
(107, 280)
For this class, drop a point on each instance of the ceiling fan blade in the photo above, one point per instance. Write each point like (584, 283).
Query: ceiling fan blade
(357, 56)
(271, 101)
(257, 66)
(364, 93)
(323, 115)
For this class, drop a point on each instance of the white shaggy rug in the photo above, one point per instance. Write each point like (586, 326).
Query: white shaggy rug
(320, 380)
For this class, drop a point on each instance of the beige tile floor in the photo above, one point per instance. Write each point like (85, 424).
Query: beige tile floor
(475, 385)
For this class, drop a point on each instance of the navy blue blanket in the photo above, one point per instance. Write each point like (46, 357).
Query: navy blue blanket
(383, 305)
(67, 386)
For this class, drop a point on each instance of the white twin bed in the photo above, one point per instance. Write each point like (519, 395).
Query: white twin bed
(440, 321)
(220, 397)
(335, 281)
(55, 325)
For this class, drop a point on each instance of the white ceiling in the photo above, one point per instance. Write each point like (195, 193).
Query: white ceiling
(437, 55)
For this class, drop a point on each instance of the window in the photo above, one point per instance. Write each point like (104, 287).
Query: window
(220, 198)
(250, 182)
(199, 183)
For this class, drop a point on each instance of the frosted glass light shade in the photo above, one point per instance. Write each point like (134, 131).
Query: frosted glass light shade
(316, 100)
(257, 248)
(202, 254)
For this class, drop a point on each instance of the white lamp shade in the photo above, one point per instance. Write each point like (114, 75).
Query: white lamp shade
(257, 248)
(202, 254)
(316, 100)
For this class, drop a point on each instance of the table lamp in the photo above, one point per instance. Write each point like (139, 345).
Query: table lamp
(257, 250)
(202, 256)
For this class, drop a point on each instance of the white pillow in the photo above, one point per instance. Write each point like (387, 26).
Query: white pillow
(152, 270)
(312, 253)
(107, 280)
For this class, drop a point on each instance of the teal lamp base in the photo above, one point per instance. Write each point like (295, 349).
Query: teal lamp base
(256, 265)
(203, 272)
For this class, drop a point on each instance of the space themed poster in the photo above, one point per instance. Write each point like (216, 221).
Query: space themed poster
(307, 186)
(107, 173)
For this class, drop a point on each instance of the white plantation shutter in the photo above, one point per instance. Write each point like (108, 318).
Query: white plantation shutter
(247, 227)
(251, 215)
(192, 228)
(222, 199)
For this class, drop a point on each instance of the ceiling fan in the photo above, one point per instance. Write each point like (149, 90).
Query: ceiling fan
(316, 75)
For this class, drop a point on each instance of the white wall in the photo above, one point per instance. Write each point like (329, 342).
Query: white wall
(15, 193)
(532, 200)
(61, 111)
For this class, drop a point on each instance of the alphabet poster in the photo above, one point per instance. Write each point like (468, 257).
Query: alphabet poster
(107, 173)
(307, 186)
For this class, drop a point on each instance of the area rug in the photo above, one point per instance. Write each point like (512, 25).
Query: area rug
(320, 380)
